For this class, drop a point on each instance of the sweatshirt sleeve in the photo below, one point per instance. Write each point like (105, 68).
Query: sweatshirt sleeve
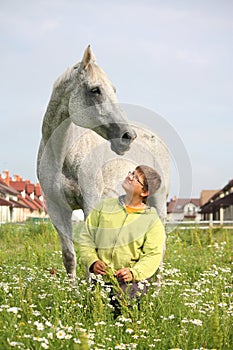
(152, 253)
(87, 247)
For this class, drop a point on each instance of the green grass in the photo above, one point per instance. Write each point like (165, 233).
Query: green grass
(41, 309)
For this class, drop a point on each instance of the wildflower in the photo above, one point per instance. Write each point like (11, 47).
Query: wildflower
(13, 309)
(99, 323)
(13, 343)
(39, 339)
(196, 322)
(171, 317)
(68, 336)
(44, 345)
(140, 285)
(144, 330)
(36, 313)
(119, 324)
(77, 341)
(39, 326)
(129, 330)
(120, 346)
(222, 304)
(60, 334)
(124, 319)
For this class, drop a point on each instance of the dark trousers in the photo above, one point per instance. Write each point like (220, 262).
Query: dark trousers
(131, 291)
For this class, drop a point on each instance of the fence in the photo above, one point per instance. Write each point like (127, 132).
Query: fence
(203, 225)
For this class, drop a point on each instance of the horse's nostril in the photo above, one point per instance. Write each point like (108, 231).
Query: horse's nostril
(126, 138)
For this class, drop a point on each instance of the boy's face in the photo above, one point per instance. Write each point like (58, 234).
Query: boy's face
(133, 183)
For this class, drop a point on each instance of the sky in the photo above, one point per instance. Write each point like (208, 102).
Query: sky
(172, 57)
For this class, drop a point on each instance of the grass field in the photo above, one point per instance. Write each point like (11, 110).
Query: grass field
(41, 309)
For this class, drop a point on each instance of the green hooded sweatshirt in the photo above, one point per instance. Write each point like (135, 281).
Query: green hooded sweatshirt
(120, 239)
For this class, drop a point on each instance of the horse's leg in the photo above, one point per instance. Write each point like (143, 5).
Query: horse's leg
(61, 219)
(68, 253)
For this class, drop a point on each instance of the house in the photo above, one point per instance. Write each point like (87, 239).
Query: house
(9, 204)
(20, 199)
(179, 209)
(219, 207)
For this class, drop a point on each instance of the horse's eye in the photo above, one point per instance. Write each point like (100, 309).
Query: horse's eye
(95, 90)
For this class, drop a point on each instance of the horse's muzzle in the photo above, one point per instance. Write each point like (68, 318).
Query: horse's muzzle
(122, 144)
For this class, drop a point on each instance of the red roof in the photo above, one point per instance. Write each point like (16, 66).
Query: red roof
(206, 195)
(39, 203)
(18, 185)
(4, 203)
(28, 203)
(29, 188)
(177, 205)
(11, 203)
(17, 204)
(38, 190)
(7, 189)
(26, 186)
(33, 202)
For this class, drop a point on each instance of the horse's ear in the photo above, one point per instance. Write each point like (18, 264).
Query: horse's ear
(88, 57)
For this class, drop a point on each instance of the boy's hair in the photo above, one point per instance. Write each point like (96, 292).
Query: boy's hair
(151, 179)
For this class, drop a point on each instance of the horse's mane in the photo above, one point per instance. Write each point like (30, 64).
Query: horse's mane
(63, 77)
(94, 72)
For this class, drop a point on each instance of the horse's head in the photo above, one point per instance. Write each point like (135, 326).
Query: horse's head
(93, 104)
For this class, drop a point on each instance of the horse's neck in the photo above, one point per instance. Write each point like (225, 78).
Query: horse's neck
(56, 114)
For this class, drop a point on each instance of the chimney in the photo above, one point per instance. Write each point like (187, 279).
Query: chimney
(38, 190)
(6, 177)
(16, 178)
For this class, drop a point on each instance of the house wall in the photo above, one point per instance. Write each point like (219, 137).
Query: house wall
(191, 210)
(228, 213)
(175, 217)
(4, 214)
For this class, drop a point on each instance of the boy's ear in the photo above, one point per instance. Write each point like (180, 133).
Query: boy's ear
(145, 193)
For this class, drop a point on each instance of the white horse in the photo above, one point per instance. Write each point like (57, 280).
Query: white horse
(76, 167)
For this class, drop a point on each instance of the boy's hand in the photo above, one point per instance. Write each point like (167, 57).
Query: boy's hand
(124, 275)
(99, 268)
